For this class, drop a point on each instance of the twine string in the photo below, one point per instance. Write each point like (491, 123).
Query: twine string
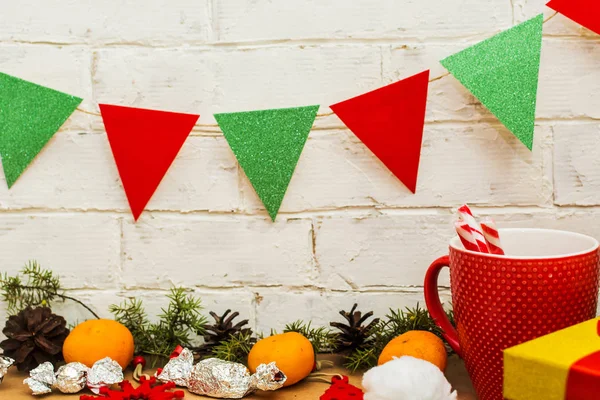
(550, 17)
(437, 78)
(138, 373)
(88, 112)
(321, 115)
(96, 114)
(324, 364)
(321, 377)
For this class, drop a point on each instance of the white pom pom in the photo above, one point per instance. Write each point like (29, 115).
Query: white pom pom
(407, 378)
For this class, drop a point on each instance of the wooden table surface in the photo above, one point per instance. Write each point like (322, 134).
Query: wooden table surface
(13, 389)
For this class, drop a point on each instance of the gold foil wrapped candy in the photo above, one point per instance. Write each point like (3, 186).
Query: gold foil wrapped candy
(220, 379)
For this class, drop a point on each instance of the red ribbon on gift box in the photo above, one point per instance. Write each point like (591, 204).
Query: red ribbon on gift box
(583, 381)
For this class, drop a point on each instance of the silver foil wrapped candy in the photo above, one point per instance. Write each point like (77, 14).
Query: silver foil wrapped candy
(105, 372)
(74, 377)
(268, 377)
(41, 379)
(5, 364)
(220, 379)
(178, 369)
(71, 378)
(229, 380)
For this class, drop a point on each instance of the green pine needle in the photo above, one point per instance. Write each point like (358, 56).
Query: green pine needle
(176, 325)
(40, 287)
(235, 348)
(323, 339)
(362, 359)
(33, 287)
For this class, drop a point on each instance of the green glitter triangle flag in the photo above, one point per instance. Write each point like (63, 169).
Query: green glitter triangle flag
(502, 72)
(30, 115)
(268, 144)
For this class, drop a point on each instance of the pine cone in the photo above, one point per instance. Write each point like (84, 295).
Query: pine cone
(354, 335)
(222, 330)
(35, 335)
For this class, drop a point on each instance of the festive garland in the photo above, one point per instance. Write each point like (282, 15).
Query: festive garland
(502, 72)
(360, 339)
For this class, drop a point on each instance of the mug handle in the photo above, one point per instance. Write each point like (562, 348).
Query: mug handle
(434, 305)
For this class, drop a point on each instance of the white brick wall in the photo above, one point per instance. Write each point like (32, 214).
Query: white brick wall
(345, 232)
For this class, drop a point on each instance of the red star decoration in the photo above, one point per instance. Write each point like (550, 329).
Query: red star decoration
(148, 390)
(342, 390)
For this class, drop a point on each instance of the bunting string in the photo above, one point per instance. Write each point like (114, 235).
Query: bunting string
(320, 115)
(551, 16)
(96, 114)
(501, 71)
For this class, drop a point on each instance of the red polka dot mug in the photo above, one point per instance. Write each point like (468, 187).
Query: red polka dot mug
(548, 280)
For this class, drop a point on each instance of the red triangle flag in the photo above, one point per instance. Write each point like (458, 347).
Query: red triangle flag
(144, 143)
(584, 12)
(389, 121)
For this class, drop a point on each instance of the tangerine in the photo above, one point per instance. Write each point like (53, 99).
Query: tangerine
(95, 339)
(292, 352)
(419, 344)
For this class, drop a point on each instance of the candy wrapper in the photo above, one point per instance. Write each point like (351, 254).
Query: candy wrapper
(220, 379)
(229, 380)
(5, 364)
(178, 369)
(74, 377)
(71, 378)
(105, 372)
(41, 379)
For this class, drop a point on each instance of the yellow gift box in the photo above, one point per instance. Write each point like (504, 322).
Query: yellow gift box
(563, 365)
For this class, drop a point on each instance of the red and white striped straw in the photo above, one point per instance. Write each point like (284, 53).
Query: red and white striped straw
(466, 237)
(492, 237)
(466, 215)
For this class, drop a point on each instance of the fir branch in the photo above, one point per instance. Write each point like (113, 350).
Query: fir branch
(40, 289)
(182, 316)
(450, 315)
(402, 321)
(235, 348)
(323, 339)
(176, 324)
(362, 359)
(132, 314)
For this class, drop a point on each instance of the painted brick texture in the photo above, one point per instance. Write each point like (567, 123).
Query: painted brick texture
(348, 231)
